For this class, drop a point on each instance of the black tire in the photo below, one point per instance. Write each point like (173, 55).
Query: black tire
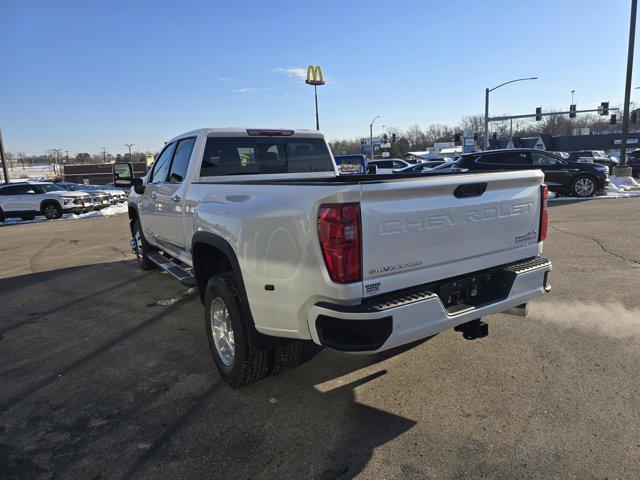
(51, 210)
(2, 217)
(143, 249)
(583, 186)
(248, 363)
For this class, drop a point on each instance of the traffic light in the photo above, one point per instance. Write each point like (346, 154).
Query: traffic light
(495, 135)
(456, 137)
(634, 116)
(613, 120)
(604, 108)
(393, 138)
(572, 111)
(538, 114)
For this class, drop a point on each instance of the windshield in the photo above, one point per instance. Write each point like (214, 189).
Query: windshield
(50, 187)
(71, 187)
(600, 153)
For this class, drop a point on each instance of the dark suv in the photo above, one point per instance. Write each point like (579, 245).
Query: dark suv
(562, 176)
(633, 160)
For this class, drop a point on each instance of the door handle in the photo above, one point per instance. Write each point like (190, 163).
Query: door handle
(154, 195)
(175, 197)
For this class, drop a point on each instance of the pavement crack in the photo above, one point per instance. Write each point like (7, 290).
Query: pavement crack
(598, 242)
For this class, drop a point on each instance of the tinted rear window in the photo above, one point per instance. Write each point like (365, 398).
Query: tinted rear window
(244, 156)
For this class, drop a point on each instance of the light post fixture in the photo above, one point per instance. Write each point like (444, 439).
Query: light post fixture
(486, 105)
(129, 145)
(371, 135)
(58, 150)
(314, 77)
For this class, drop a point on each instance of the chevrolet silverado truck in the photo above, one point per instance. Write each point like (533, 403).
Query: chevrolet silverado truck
(284, 251)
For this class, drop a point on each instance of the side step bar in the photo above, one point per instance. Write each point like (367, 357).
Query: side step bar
(185, 277)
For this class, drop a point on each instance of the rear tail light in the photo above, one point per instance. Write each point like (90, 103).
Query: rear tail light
(339, 232)
(544, 214)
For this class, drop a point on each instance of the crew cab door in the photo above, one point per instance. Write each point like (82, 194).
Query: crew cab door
(149, 208)
(19, 198)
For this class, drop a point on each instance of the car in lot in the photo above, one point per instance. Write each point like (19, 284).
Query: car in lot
(596, 156)
(30, 199)
(388, 165)
(633, 160)
(424, 166)
(285, 251)
(100, 198)
(561, 176)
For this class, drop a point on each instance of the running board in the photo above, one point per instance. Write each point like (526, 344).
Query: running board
(185, 277)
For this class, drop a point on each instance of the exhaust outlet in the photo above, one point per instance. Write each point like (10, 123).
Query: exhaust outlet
(518, 311)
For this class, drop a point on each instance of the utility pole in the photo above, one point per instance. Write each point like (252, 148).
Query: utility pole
(371, 135)
(67, 158)
(622, 170)
(129, 145)
(104, 155)
(3, 158)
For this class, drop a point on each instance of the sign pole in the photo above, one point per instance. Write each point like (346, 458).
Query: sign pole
(315, 92)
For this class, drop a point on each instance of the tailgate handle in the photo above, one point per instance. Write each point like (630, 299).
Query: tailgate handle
(470, 190)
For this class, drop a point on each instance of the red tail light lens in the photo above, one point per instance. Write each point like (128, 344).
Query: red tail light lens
(544, 214)
(339, 232)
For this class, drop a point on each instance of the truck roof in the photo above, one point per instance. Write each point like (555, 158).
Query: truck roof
(243, 132)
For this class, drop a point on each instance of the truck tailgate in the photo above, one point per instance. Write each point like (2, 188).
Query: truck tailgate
(416, 231)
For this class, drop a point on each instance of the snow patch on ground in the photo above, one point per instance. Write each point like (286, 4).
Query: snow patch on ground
(110, 211)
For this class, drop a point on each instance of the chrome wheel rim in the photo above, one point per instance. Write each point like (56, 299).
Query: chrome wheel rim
(222, 331)
(584, 187)
(50, 211)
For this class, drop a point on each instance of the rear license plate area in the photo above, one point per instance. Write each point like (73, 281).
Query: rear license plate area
(471, 291)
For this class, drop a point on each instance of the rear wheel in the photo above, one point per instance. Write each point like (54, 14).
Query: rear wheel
(141, 248)
(583, 186)
(52, 210)
(229, 330)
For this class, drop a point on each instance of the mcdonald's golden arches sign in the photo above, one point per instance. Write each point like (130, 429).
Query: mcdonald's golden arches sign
(314, 75)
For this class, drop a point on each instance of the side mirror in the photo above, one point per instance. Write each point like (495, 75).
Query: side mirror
(138, 185)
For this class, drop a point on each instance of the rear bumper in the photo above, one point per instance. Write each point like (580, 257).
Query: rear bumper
(416, 313)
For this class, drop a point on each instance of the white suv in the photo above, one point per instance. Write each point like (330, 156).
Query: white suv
(29, 199)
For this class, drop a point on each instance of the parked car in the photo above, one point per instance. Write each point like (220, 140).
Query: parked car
(285, 251)
(351, 164)
(119, 194)
(596, 156)
(561, 155)
(388, 165)
(100, 198)
(30, 199)
(421, 167)
(633, 159)
(564, 177)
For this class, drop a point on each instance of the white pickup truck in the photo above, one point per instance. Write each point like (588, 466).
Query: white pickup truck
(283, 250)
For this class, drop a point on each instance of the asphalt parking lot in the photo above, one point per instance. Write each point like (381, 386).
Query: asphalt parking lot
(106, 374)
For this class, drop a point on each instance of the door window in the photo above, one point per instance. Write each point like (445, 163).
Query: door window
(505, 158)
(181, 160)
(543, 159)
(161, 165)
(18, 190)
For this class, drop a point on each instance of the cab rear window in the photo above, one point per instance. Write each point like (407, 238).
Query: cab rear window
(245, 156)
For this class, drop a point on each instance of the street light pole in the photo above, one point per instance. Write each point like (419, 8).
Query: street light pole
(129, 145)
(371, 135)
(58, 150)
(486, 105)
(627, 93)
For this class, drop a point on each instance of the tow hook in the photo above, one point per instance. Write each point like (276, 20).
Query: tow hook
(473, 329)
(134, 246)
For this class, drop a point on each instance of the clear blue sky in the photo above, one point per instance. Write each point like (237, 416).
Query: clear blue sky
(82, 75)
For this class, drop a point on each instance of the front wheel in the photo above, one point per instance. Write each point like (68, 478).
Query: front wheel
(141, 248)
(52, 211)
(583, 186)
